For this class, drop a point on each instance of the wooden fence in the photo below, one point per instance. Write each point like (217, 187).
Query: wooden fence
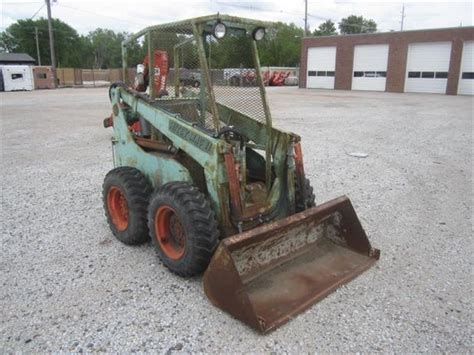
(91, 77)
(104, 77)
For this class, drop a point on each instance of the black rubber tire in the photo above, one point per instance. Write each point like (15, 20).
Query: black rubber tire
(198, 222)
(309, 197)
(137, 191)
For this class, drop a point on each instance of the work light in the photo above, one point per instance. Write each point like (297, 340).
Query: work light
(258, 33)
(219, 30)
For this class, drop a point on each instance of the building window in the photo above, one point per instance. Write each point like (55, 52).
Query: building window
(428, 74)
(468, 75)
(41, 76)
(441, 75)
(320, 73)
(370, 74)
(17, 76)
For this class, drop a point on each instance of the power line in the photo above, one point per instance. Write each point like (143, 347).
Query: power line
(21, 3)
(32, 29)
(97, 14)
(36, 13)
(266, 10)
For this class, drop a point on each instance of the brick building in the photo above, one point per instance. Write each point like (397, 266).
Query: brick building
(434, 61)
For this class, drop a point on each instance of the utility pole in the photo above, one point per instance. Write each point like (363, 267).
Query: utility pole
(37, 47)
(403, 17)
(306, 17)
(51, 42)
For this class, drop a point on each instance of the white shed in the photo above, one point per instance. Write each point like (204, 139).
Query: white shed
(16, 77)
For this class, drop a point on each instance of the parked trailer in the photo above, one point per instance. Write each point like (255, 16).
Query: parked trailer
(17, 78)
(43, 77)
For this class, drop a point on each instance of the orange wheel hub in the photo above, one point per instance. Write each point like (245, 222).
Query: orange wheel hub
(118, 208)
(170, 233)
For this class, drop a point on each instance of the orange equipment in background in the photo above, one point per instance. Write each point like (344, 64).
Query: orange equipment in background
(160, 73)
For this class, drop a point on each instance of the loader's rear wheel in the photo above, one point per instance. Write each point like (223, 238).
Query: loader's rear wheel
(308, 197)
(183, 228)
(126, 192)
(169, 232)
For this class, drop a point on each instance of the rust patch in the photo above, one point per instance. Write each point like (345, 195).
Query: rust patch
(267, 275)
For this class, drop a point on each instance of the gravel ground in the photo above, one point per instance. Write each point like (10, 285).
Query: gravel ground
(67, 285)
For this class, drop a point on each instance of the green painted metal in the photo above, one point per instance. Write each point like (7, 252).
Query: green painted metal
(268, 117)
(208, 89)
(162, 120)
(158, 168)
(151, 65)
(248, 173)
(124, 63)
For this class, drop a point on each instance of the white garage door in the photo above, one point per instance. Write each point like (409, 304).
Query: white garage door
(370, 67)
(321, 67)
(466, 78)
(427, 67)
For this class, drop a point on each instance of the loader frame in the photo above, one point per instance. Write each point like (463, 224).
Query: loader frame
(205, 148)
(205, 159)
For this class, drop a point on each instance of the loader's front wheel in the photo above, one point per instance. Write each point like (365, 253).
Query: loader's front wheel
(306, 201)
(126, 192)
(183, 228)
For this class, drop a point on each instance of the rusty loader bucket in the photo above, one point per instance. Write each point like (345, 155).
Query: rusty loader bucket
(267, 275)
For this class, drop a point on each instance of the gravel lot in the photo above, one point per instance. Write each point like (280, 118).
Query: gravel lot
(67, 285)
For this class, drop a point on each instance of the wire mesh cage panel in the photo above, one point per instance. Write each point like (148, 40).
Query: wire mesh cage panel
(184, 92)
(203, 79)
(234, 74)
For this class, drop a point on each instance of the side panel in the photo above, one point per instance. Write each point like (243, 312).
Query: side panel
(199, 145)
(159, 168)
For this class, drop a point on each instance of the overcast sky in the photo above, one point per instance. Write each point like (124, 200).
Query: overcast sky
(131, 16)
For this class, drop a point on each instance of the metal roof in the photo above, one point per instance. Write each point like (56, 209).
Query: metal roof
(16, 57)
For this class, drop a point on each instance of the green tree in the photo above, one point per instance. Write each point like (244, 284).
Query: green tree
(136, 52)
(20, 37)
(327, 28)
(281, 45)
(86, 55)
(106, 48)
(357, 24)
(232, 51)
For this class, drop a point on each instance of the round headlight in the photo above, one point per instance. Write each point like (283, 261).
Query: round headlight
(258, 33)
(219, 30)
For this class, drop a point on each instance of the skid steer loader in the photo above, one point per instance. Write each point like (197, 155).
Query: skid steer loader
(200, 169)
